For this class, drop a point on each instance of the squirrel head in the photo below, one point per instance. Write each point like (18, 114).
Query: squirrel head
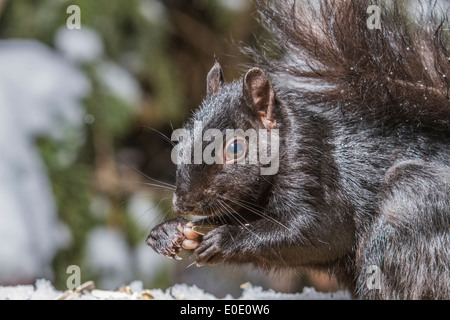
(222, 166)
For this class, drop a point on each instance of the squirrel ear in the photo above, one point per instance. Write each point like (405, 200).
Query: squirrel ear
(259, 95)
(214, 80)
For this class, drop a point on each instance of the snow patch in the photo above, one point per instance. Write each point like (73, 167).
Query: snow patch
(79, 46)
(45, 291)
(40, 95)
(108, 256)
(119, 82)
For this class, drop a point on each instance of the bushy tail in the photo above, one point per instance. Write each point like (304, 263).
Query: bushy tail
(398, 73)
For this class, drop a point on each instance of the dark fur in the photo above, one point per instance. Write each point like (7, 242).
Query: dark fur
(364, 172)
(399, 74)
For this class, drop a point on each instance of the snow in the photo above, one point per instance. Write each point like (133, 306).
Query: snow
(85, 46)
(257, 293)
(152, 10)
(39, 97)
(145, 212)
(234, 5)
(41, 93)
(43, 290)
(80, 46)
(108, 256)
(42, 89)
(146, 262)
(111, 259)
(119, 82)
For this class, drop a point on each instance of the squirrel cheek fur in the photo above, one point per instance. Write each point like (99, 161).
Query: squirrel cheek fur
(363, 178)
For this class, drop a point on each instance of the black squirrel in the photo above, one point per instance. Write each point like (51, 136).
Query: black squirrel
(363, 184)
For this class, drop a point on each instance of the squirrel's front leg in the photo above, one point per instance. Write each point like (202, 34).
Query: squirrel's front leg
(169, 237)
(225, 243)
(217, 245)
(240, 243)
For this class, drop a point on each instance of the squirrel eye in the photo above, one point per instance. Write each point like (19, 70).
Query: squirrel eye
(235, 150)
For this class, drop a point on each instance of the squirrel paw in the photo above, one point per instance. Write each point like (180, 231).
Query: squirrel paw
(167, 238)
(213, 248)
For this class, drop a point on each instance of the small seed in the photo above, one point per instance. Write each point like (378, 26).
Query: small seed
(203, 229)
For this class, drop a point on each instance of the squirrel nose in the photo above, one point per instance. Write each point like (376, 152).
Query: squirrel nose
(180, 206)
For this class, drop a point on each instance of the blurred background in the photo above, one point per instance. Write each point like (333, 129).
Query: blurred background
(82, 118)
